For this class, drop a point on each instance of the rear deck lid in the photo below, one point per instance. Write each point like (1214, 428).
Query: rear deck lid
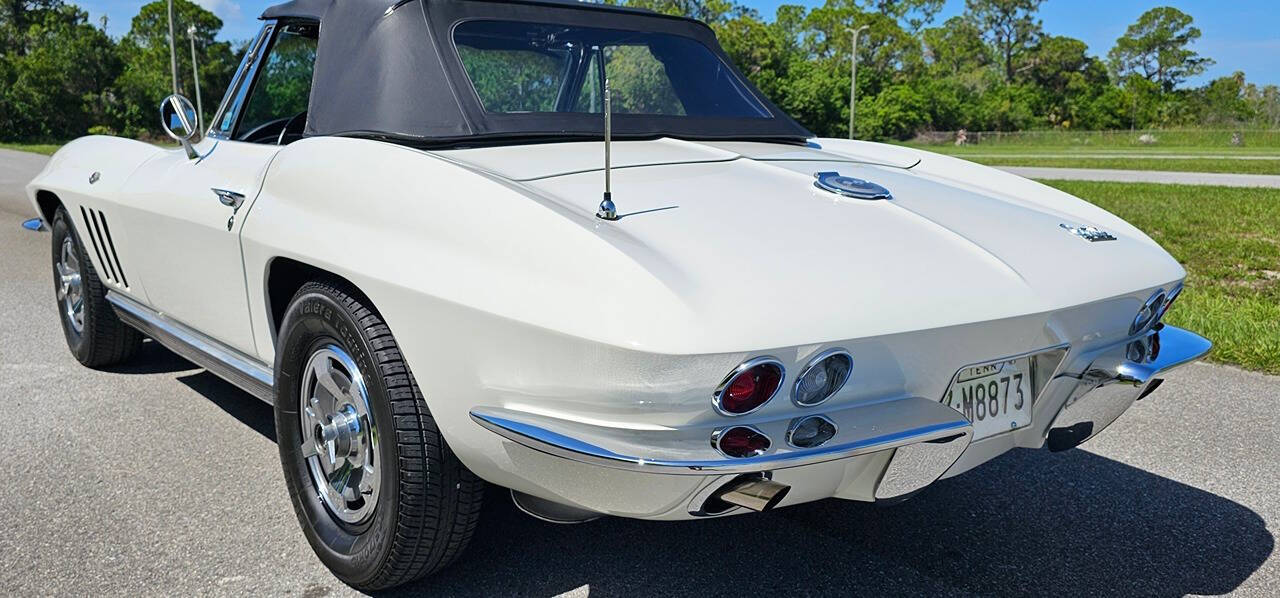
(539, 161)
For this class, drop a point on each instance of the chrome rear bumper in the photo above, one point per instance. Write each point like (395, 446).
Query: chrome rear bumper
(864, 430)
(924, 436)
(1116, 378)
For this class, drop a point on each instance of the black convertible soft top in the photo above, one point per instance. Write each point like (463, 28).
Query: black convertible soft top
(389, 69)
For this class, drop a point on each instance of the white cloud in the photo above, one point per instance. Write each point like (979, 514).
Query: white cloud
(227, 10)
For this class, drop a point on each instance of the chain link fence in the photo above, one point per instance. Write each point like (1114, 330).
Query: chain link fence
(1152, 138)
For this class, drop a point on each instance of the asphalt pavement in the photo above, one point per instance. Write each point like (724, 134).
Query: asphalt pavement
(16, 170)
(157, 478)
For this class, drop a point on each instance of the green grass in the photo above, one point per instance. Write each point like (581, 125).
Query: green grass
(1085, 152)
(1133, 163)
(1253, 139)
(39, 148)
(1179, 154)
(49, 148)
(1228, 239)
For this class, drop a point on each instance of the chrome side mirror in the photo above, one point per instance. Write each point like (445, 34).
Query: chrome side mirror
(178, 117)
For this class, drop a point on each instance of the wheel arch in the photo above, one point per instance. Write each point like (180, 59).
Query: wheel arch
(284, 276)
(48, 203)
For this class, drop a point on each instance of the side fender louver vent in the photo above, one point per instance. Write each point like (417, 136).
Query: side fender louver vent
(95, 224)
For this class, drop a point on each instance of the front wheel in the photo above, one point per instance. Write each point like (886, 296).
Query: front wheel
(379, 495)
(94, 334)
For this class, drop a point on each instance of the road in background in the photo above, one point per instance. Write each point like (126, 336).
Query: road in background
(16, 170)
(1145, 176)
(1106, 154)
(159, 478)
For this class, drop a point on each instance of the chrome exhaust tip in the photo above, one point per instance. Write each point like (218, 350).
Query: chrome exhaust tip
(753, 492)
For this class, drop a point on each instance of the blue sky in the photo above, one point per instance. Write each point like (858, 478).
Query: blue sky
(1238, 34)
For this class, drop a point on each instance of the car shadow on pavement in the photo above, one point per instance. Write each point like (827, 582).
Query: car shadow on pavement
(248, 409)
(153, 358)
(1027, 523)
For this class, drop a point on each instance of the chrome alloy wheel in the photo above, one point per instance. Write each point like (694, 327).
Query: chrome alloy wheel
(340, 442)
(70, 287)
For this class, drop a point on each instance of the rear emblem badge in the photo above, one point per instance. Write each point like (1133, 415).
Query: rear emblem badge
(849, 186)
(1092, 234)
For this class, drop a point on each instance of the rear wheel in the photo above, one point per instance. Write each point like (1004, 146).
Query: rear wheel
(379, 495)
(94, 333)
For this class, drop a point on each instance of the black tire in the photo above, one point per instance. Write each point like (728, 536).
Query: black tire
(428, 503)
(103, 339)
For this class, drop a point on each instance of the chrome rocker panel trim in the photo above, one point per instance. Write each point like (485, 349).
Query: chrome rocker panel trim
(229, 364)
(942, 427)
(1119, 376)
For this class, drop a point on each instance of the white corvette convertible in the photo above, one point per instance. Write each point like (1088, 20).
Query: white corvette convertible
(569, 250)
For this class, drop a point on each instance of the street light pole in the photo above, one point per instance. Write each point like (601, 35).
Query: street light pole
(853, 75)
(195, 75)
(173, 53)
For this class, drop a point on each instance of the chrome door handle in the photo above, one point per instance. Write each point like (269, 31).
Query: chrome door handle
(231, 199)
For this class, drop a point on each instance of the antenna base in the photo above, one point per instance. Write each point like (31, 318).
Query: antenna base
(607, 210)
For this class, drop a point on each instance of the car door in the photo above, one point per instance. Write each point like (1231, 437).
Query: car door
(190, 211)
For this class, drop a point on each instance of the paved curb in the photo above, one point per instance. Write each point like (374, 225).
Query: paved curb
(1146, 176)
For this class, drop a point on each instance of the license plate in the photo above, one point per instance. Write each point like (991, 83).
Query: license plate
(995, 397)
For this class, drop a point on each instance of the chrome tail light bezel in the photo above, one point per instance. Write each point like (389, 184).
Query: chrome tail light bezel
(718, 396)
(1169, 298)
(814, 362)
(717, 436)
(1149, 314)
(797, 422)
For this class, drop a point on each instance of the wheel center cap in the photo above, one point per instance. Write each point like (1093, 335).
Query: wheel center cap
(337, 438)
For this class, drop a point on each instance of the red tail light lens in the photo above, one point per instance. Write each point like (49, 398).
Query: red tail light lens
(740, 441)
(748, 386)
(742, 388)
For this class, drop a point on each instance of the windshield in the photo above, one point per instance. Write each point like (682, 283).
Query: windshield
(518, 67)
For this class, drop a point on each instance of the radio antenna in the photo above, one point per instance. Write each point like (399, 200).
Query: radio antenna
(195, 77)
(607, 210)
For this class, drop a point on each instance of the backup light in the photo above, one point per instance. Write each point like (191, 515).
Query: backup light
(740, 442)
(825, 374)
(810, 431)
(748, 386)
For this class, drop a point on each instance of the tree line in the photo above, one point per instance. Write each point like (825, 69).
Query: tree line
(993, 68)
(62, 77)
